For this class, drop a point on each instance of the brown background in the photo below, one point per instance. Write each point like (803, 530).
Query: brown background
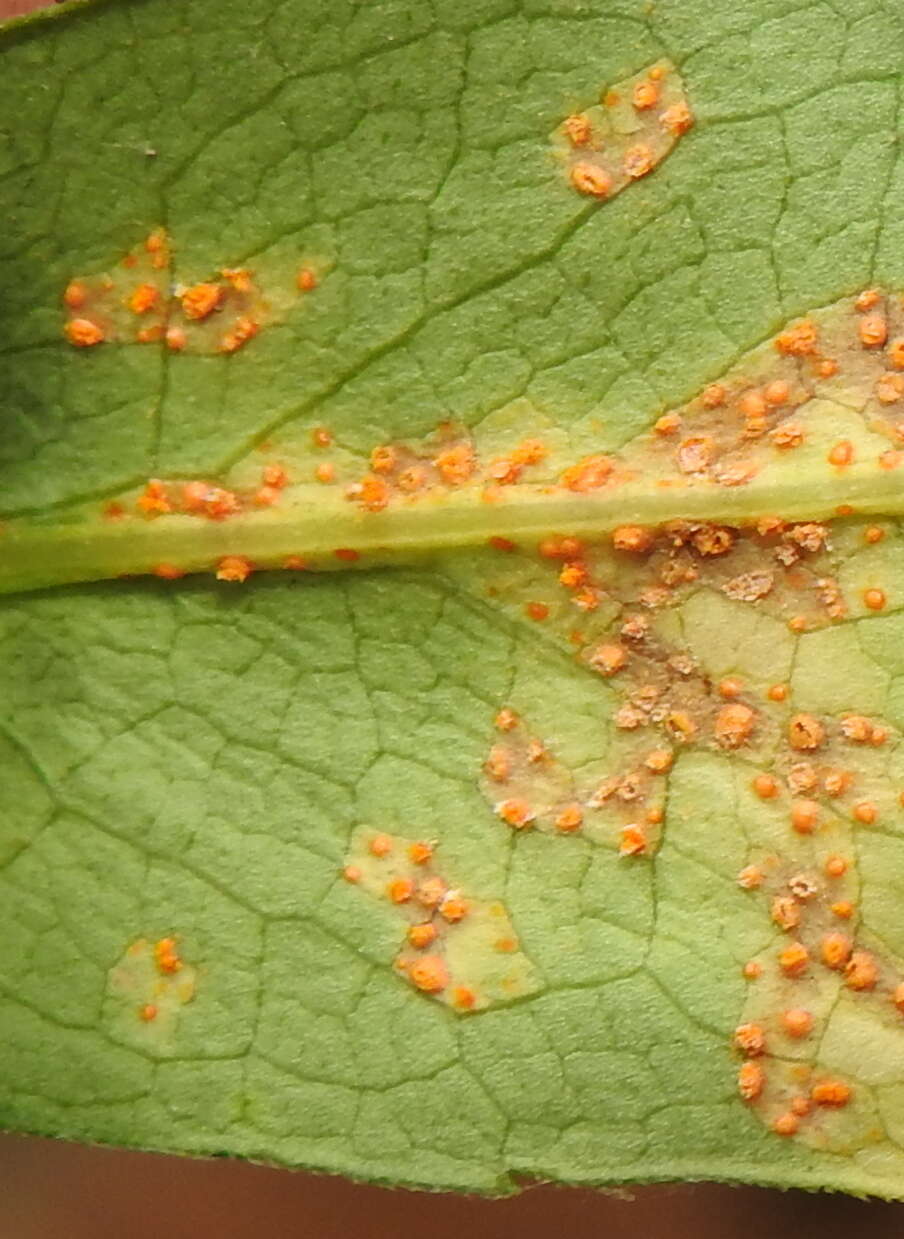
(52, 1190)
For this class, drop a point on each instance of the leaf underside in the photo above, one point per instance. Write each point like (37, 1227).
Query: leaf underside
(562, 837)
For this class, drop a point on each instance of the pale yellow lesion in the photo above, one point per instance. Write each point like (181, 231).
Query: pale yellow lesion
(616, 141)
(457, 949)
(141, 300)
(146, 990)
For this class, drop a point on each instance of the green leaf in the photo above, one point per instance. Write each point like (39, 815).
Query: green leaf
(511, 831)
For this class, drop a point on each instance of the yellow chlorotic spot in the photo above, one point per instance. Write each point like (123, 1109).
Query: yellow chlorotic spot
(201, 300)
(797, 1022)
(750, 1081)
(83, 333)
(234, 568)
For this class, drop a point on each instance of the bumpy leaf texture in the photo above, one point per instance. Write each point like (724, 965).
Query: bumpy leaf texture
(451, 661)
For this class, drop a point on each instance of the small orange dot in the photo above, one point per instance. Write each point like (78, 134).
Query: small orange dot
(865, 812)
(842, 453)
(537, 611)
(835, 866)
(875, 533)
(765, 786)
(730, 687)
(752, 970)
(778, 692)
(148, 1012)
(380, 845)
(400, 890)
(804, 816)
(786, 1124)
(874, 599)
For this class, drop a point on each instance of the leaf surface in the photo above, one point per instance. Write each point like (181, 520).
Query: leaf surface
(629, 685)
